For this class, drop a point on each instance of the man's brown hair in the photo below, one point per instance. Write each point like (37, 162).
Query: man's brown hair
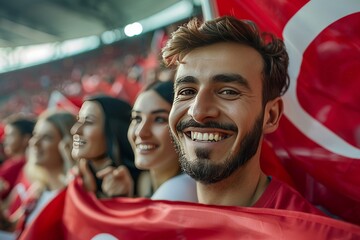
(196, 34)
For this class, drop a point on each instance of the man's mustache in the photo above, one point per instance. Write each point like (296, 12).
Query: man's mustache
(211, 124)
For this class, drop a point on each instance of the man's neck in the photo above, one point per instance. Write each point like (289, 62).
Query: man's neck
(243, 188)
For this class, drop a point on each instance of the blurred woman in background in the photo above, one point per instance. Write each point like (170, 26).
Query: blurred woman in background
(154, 151)
(47, 168)
(17, 133)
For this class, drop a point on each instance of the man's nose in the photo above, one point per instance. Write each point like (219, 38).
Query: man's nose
(203, 107)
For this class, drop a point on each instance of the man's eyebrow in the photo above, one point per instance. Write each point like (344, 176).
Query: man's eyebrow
(228, 78)
(153, 112)
(184, 79)
(225, 78)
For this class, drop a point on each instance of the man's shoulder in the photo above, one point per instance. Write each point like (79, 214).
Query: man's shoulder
(279, 195)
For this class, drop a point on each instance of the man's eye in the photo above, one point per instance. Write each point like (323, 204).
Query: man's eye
(186, 92)
(228, 92)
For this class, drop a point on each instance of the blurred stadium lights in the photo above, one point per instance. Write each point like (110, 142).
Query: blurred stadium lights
(133, 29)
(75, 46)
(36, 53)
(20, 57)
(111, 36)
(176, 12)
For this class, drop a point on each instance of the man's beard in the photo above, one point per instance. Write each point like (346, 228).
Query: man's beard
(207, 172)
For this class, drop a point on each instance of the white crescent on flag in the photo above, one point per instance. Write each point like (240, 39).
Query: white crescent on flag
(318, 14)
(104, 236)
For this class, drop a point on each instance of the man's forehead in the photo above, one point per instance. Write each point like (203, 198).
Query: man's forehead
(220, 59)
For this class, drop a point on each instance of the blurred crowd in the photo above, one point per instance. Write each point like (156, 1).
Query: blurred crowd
(119, 70)
(43, 135)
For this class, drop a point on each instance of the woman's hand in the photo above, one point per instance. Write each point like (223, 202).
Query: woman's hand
(87, 176)
(116, 181)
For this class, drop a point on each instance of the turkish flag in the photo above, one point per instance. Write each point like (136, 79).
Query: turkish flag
(75, 214)
(318, 141)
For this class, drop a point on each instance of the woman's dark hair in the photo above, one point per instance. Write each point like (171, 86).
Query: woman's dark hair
(117, 120)
(164, 89)
(24, 125)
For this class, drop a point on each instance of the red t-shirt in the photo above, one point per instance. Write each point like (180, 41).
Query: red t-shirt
(279, 195)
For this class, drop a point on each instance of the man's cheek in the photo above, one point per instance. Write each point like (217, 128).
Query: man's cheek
(174, 117)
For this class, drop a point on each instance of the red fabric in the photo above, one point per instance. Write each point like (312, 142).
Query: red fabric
(278, 195)
(75, 214)
(326, 87)
(22, 184)
(9, 172)
(2, 126)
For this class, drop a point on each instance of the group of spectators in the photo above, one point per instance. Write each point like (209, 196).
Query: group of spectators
(225, 96)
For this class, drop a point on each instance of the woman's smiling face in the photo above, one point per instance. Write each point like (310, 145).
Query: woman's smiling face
(88, 132)
(149, 132)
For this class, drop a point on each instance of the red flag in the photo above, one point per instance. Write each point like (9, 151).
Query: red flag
(318, 140)
(85, 217)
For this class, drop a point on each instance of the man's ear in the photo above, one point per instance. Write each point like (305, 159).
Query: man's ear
(272, 114)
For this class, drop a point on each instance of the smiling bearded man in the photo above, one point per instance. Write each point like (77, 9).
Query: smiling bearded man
(227, 94)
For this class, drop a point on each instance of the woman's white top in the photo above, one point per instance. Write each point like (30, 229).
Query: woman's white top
(179, 188)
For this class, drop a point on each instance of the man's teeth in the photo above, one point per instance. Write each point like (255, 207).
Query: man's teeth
(198, 136)
(145, 146)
